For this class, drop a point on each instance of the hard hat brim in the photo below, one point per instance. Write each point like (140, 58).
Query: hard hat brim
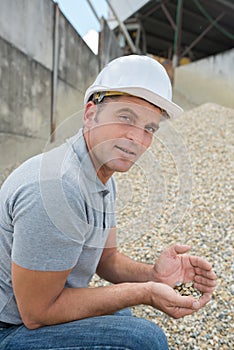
(172, 109)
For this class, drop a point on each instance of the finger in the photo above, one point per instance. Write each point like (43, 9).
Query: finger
(181, 312)
(187, 302)
(181, 249)
(204, 288)
(205, 281)
(195, 306)
(205, 298)
(197, 261)
(186, 306)
(206, 274)
(176, 249)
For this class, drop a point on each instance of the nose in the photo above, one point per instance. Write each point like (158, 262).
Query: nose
(137, 135)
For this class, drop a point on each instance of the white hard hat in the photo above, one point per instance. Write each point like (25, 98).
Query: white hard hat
(139, 76)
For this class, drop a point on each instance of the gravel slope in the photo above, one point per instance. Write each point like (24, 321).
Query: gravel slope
(182, 191)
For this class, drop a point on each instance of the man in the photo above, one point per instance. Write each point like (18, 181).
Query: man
(57, 228)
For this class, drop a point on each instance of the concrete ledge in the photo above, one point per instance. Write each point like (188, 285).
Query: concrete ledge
(208, 80)
(15, 149)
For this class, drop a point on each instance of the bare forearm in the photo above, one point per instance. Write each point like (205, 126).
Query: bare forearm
(118, 268)
(78, 303)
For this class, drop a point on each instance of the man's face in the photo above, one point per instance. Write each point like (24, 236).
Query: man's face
(118, 132)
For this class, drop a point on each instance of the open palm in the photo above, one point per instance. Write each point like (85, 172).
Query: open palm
(172, 267)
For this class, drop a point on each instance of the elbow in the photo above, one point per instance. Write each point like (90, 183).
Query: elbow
(32, 323)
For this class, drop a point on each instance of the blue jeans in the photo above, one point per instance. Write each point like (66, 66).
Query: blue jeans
(120, 331)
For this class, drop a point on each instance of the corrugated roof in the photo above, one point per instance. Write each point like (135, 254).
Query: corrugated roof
(207, 27)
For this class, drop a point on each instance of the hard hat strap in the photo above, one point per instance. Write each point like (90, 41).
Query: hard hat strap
(99, 96)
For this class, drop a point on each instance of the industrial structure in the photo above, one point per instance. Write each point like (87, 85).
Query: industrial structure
(45, 65)
(177, 29)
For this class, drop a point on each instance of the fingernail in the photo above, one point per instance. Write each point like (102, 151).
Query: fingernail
(196, 305)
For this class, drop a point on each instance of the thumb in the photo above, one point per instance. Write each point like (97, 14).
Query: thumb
(188, 303)
(197, 304)
(181, 249)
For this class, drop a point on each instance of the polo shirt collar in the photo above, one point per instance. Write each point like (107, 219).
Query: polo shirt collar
(87, 171)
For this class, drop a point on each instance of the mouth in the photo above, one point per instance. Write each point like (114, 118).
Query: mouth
(125, 150)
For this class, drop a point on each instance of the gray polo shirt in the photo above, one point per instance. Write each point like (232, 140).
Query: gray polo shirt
(55, 214)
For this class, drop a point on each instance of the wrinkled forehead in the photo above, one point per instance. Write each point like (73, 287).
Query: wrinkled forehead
(99, 98)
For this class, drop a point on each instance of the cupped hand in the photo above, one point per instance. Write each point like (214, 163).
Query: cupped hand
(165, 299)
(173, 267)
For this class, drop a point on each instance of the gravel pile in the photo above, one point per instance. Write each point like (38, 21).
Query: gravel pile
(182, 191)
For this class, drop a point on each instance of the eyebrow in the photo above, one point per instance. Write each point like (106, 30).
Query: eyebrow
(153, 125)
(136, 116)
(129, 110)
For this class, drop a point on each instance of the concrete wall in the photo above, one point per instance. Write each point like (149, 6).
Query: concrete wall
(25, 94)
(77, 69)
(26, 76)
(207, 80)
(28, 25)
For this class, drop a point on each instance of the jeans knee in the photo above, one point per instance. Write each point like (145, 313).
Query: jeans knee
(148, 336)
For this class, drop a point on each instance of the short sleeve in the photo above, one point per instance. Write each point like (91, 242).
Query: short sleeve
(46, 236)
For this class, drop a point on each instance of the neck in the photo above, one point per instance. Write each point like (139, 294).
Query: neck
(103, 173)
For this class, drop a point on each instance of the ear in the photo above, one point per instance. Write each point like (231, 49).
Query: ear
(89, 114)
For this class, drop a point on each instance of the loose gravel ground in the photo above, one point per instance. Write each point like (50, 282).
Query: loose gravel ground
(182, 191)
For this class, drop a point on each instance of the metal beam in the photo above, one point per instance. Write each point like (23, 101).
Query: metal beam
(155, 8)
(177, 36)
(152, 38)
(226, 3)
(202, 34)
(123, 28)
(163, 42)
(166, 33)
(151, 23)
(168, 15)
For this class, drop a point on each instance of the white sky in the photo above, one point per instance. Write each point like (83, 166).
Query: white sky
(81, 16)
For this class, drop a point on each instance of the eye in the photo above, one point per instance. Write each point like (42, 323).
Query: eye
(151, 129)
(125, 118)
